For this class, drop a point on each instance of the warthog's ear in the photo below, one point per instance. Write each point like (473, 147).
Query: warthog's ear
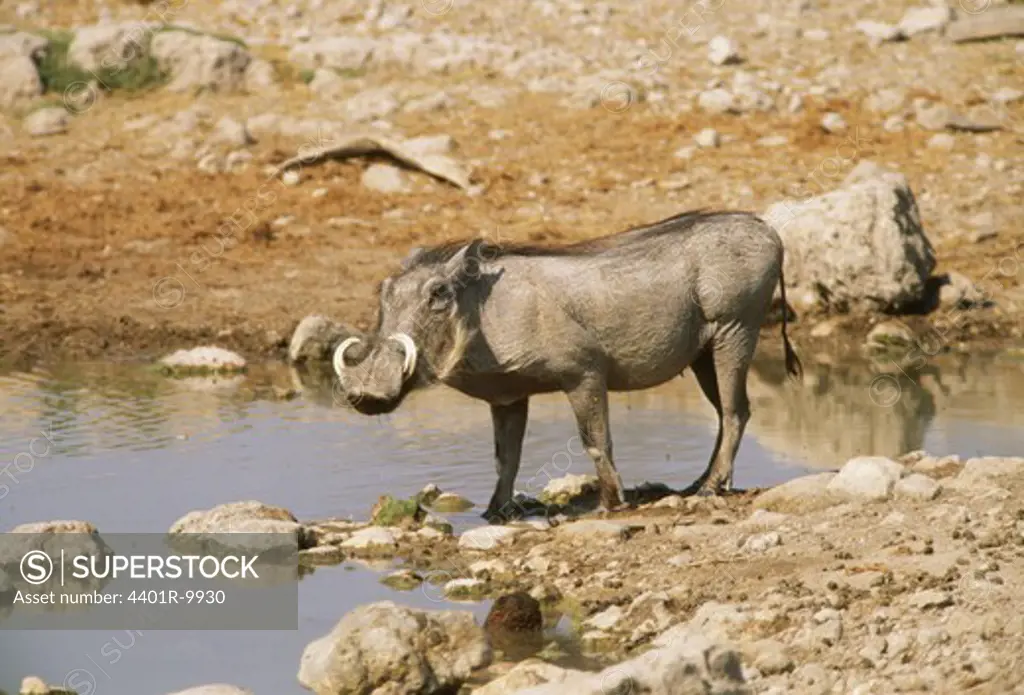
(464, 266)
(411, 258)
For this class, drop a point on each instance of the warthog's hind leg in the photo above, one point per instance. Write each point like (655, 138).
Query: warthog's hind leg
(589, 402)
(722, 375)
(509, 423)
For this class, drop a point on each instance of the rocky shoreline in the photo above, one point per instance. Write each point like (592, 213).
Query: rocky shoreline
(886, 576)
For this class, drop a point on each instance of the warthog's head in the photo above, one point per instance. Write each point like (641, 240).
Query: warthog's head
(423, 329)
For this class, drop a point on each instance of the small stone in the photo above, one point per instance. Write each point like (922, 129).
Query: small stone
(33, 685)
(762, 542)
(773, 141)
(771, 657)
(708, 138)
(931, 116)
(370, 538)
(465, 588)
(942, 141)
(385, 178)
(886, 101)
(208, 359)
(231, 132)
(488, 537)
(879, 32)
(867, 478)
(594, 529)
(606, 620)
(717, 101)
(489, 569)
(47, 121)
(321, 555)
(723, 51)
(833, 122)
(569, 489)
(449, 502)
(1006, 95)
(402, 580)
(917, 487)
(290, 178)
(931, 599)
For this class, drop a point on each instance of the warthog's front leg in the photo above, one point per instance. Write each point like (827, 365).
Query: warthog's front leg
(509, 423)
(589, 401)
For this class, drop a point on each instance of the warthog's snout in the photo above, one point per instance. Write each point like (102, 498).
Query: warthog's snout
(376, 384)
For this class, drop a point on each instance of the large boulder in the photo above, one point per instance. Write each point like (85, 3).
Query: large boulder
(19, 78)
(387, 649)
(861, 246)
(109, 46)
(683, 662)
(196, 61)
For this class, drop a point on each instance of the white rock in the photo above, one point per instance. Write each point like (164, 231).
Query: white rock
(214, 689)
(290, 177)
(762, 542)
(260, 77)
(197, 61)
(806, 493)
(348, 53)
(568, 488)
(485, 538)
(464, 588)
(833, 122)
(386, 648)
(879, 31)
(371, 104)
(47, 121)
(708, 138)
(371, 537)
(723, 51)
(862, 245)
(385, 178)
(886, 100)
(228, 131)
(942, 141)
(717, 101)
(206, 358)
(19, 80)
(606, 619)
(918, 20)
(867, 478)
(977, 469)
(595, 529)
(110, 46)
(917, 487)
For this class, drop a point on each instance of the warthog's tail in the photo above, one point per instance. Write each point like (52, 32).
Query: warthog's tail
(793, 365)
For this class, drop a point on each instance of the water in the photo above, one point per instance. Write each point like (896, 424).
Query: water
(131, 451)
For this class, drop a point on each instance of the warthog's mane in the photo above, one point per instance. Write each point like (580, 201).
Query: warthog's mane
(677, 224)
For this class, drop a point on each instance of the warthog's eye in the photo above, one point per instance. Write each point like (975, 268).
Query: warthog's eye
(440, 295)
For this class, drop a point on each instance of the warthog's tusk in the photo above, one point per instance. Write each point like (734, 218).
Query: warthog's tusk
(409, 348)
(339, 354)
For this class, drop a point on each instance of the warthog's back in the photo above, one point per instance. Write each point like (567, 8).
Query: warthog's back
(643, 301)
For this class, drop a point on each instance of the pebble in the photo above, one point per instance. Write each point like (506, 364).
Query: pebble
(762, 542)
(833, 122)
(290, 178)
(385, 178)
(723, 51)
(708, 138)
(917, 487)
(47, 121)
(930, 599)
(942, 141)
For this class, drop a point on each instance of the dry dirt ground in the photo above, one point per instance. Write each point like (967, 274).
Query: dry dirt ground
(110, 246)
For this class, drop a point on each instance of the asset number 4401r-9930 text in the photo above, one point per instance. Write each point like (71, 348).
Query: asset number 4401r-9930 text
(172, 596)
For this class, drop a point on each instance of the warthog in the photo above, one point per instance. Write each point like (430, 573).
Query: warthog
(619, 313)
